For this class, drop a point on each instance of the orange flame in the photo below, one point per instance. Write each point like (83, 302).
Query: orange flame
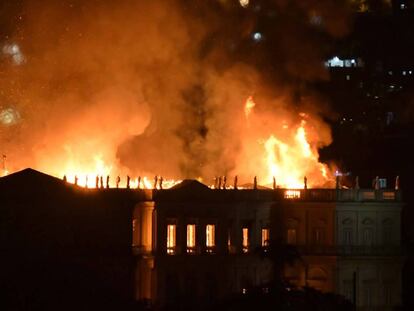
(288, 155)
(248, 107)
(279, 146)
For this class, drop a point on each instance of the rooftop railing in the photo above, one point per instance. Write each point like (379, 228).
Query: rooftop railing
(358, 195)
(351, 250)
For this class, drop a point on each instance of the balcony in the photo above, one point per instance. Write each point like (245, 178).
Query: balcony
(343, 195)
(382, 195)
(350, 250)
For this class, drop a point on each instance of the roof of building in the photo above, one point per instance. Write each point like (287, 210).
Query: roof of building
(29, 180)
(190, 184)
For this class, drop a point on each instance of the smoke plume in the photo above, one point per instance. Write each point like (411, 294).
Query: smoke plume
(159, 87)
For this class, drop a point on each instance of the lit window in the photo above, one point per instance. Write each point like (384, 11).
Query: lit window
(348, 77)
(291, 236)
(292, 194)
(210, 237)
(265, 237)
(191, 238)
(171, 239)
(245, 243)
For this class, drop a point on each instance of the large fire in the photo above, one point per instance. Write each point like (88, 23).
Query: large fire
(280, 152)
(282, 155)
(141, 95)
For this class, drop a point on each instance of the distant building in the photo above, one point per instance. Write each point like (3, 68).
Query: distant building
(192, 245)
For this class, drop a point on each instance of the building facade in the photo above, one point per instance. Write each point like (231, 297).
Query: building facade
(195, 245)
(349, 241)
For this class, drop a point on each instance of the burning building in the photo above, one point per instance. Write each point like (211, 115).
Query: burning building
(187, 90)
(193, 244)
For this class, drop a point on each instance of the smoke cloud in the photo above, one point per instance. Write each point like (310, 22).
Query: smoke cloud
(158, 87)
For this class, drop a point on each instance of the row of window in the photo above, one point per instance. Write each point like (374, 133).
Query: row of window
(368, 236)
(210, 241)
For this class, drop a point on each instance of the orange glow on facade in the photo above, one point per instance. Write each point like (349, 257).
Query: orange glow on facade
(265, 236)
(245, 243)
(171, 239)
(210, 236)
(191, 238)
(292, 194)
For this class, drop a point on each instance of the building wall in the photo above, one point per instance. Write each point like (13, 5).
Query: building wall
(370, 265)
(349, 242)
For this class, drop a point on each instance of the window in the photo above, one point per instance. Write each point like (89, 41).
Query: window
(387, 235)
(265, 237)
(348, 290)
(230, 247)
(245, 242)
(171, 239)
(191, 238)
(210, 237)
(291, 236)
(347, 236)
(367, 296)
(368, 236)
(318, 236)
(292, 194)
(387, 294)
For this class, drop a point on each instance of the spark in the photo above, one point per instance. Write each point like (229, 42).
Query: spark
(9, 116)
(14, 51)
(244, 3)
(248, 107)
(257, 36)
